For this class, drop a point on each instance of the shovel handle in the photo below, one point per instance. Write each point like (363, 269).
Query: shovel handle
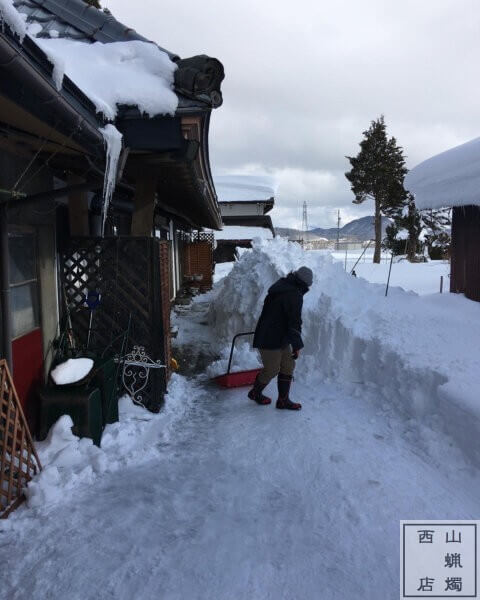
(233, 345)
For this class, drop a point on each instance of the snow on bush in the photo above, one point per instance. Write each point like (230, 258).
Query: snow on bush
(421, 352)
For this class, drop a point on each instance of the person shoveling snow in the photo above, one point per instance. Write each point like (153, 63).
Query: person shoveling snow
(278, 336)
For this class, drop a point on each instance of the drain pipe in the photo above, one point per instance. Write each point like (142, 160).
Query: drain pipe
(5, 288)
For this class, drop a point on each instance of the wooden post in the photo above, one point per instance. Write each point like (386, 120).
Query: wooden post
(142, 219)
(441, 284)
(389, 273)
(78, 209)
(5, 300)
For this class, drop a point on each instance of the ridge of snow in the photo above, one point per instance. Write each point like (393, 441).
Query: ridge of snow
(15, 20)
(420, 351)
(451, 178)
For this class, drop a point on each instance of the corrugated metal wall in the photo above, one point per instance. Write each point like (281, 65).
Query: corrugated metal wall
(465, 275)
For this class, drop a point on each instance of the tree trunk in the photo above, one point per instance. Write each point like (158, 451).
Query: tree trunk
(378, 232)
(412, 238)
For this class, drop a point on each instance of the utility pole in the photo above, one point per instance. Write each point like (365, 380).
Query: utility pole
(305, 223)
(338, 229)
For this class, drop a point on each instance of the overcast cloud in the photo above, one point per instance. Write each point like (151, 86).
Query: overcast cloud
(305, 78)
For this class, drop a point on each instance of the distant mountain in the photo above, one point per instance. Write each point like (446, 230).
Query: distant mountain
(360, 229)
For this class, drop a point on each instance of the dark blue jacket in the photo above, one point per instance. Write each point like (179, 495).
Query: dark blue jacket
(280, 323)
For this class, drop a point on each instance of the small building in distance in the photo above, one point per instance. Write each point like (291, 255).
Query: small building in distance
(452, 179)
(244, 202)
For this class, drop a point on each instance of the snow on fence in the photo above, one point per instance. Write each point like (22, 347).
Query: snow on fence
(419, 353)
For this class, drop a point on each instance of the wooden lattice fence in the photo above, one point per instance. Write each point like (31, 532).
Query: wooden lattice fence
(126, 273)
(18, 459)
(198, 261)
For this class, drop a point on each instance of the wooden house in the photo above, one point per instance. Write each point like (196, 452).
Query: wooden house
(59, 240)
(452, 179)
(244, 203)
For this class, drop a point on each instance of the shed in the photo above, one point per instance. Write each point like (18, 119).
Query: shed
(452, 179)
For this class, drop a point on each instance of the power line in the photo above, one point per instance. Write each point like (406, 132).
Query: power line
(305, 220)
(338, 229)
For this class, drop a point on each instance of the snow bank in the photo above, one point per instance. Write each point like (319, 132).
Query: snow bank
(132, 73)
(421, 352)
(15, 20)
(451, 178)
(70, 463)
(72, 370)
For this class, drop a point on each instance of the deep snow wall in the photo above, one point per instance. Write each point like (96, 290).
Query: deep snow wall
(420, 354)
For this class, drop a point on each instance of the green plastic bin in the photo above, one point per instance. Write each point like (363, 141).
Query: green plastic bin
(82, 404)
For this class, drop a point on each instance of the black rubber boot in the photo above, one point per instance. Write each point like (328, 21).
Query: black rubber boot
(284, 382)
(256, 393)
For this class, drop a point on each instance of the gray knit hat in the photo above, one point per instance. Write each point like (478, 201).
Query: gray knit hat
(304, 274)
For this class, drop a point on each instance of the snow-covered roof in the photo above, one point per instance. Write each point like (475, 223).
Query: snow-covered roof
(121, 73)
(243, 233)
(238, 188)
(112, 64)
(451, 178)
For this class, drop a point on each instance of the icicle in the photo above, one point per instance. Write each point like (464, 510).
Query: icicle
(15, 20)
(113, 143)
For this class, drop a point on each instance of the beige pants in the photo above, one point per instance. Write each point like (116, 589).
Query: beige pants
(275, 362)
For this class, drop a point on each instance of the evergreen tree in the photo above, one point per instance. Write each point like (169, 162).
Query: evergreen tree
(402, 235)
(377, 174)
(437, 224)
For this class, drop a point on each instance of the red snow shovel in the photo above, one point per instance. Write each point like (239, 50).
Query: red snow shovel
(239, 378)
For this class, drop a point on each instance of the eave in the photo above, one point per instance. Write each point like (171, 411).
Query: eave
(26, 82)
(174, 150)
(264, 221)
(266, 205)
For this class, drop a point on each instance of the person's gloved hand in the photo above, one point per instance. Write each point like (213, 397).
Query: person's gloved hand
(295, 354)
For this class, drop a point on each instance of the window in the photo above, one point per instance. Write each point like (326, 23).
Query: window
(23, 283)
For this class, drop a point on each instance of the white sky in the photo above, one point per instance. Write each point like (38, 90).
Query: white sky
(305, 78)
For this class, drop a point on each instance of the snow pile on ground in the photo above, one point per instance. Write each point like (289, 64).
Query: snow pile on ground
(72, 370)
(421, 352)
(15, 20)
(69, 462)
(451, 178)
(222, 270)
(132, 73)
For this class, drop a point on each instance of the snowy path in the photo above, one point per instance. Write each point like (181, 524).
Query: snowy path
(247, 502)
